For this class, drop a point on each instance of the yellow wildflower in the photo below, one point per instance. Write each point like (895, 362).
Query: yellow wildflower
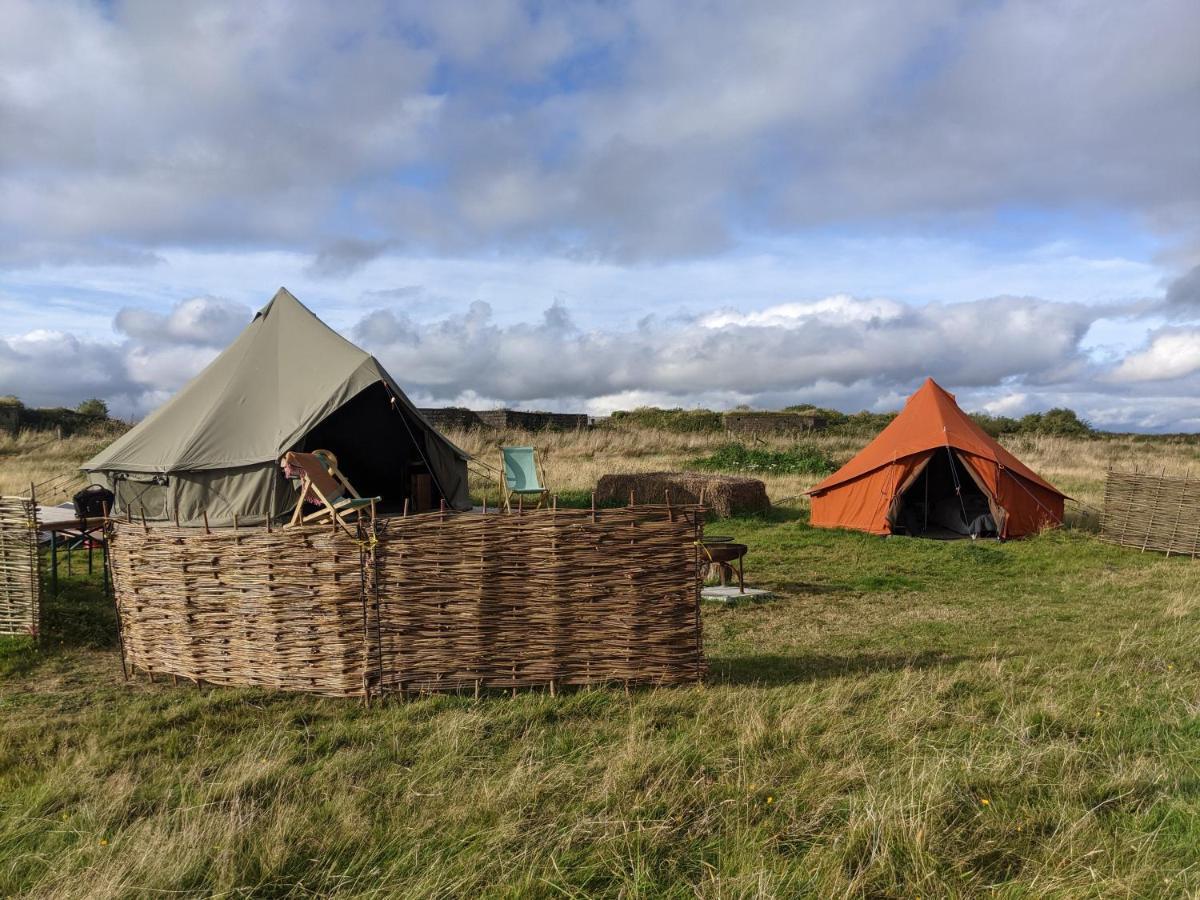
(985, 801)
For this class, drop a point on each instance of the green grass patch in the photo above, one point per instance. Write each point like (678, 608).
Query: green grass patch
(800, 460)
(909, 718)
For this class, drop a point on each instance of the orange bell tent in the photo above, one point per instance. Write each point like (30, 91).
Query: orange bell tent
(934, 471)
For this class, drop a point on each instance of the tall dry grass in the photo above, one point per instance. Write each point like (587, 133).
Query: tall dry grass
(47, 461)
(574, 461)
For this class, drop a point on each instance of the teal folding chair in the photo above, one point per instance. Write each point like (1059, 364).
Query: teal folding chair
(522, 474)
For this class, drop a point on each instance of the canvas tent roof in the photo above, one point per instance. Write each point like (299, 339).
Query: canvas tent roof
(282, 376)
(930, 419)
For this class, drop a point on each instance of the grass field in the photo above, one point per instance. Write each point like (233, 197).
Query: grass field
(909, 719)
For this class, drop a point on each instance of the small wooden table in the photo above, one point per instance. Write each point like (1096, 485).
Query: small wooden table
(73, 531)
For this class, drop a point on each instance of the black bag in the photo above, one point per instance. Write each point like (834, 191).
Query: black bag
(93, 501)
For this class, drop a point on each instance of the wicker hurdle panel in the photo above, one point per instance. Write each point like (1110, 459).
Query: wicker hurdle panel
(20, 581)
(433, 602)
(1152, 512)
(543, 598)
(277, 609)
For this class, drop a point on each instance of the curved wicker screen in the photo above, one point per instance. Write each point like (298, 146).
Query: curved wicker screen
(1152, 512)
(20, 594)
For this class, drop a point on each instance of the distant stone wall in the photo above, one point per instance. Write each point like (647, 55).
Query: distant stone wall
(10, 417)
(454, 417)
(772, 422)
(533, 421)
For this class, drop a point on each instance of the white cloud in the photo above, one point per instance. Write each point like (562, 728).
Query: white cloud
(637, 131)
(841, 308)
(735, 178)
(1171, 354)
(1007, 405)
(840, 340)
(203, 321)
(1004, 355)
(159, 353)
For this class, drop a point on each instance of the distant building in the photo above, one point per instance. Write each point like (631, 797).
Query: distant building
(454, 417)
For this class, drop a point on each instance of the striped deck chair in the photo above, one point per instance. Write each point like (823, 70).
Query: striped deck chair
(320, 479)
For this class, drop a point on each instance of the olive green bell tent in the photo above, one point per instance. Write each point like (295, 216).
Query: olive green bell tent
(289, 382)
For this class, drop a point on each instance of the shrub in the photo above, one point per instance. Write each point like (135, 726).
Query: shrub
(94, 407)
(996, 425)
(1058, 421)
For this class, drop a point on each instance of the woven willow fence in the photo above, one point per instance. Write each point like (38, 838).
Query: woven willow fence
(20, 581)
(281, 609)
(432, 602)
(1152, 512)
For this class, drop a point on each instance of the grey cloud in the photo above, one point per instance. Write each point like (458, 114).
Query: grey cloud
(633, 131)
(343, 257)
(200, 321)
(978, 343)
(385, 328)
(30, 254)
(53, 369)
(159, 353)
(1184, 292)
(404, 292)
(1018, 353)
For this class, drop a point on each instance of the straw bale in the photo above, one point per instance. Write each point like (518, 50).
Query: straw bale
(723, 495)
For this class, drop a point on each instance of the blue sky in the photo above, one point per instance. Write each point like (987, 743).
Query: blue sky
(595, 205)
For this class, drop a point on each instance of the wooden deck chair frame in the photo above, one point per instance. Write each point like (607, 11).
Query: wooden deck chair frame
(543, 492)
(351, 503)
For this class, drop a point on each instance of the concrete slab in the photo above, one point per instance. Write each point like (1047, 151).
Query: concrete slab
(730, 594)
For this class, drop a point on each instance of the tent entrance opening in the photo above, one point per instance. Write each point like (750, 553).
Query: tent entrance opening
(944, 501)
(375, 448)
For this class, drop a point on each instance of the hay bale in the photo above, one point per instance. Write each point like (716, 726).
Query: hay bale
(724, 495)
